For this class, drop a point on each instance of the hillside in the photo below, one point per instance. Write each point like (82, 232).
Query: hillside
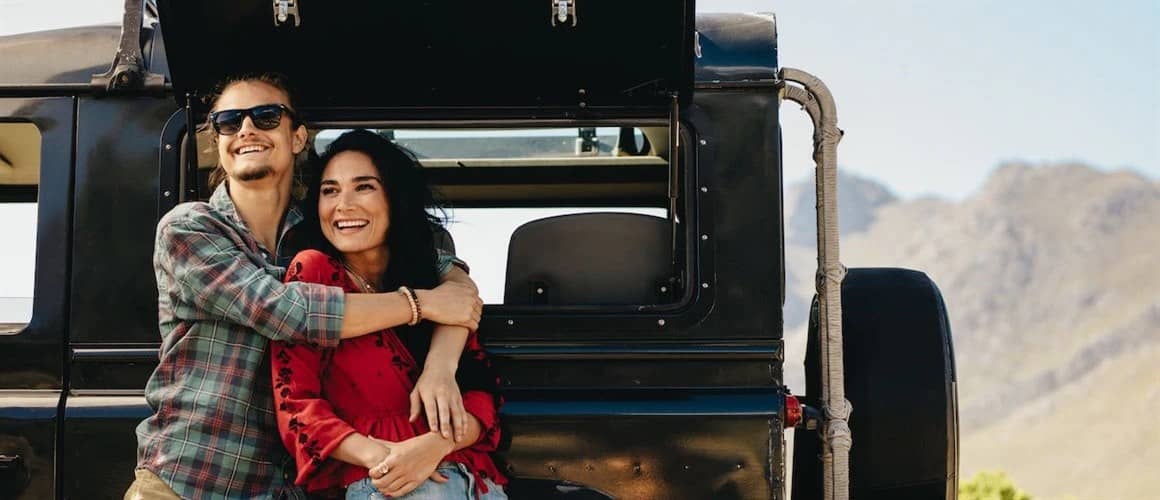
(1051, 275)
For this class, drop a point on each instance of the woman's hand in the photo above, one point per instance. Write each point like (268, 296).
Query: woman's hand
(451, 303)
(410, 463)
(437, 394)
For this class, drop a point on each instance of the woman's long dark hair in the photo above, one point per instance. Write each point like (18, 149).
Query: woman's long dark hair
(410, 238)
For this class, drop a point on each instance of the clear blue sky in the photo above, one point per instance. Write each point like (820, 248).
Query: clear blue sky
(932, 95)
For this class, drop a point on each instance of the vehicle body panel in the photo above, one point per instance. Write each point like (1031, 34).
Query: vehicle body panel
(32, 368)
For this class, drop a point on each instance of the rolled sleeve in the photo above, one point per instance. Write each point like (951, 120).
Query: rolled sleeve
(446, 261)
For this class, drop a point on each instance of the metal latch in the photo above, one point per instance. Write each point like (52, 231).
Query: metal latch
(283, 9)
(562, 10)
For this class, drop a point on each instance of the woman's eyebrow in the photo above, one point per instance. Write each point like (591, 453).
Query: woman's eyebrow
(361, 178)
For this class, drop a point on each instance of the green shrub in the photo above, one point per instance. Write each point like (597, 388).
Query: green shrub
(991, 485)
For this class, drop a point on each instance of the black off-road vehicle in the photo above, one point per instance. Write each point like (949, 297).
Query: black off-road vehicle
(637, 312)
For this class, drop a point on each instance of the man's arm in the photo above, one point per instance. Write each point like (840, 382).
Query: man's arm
(207, 276)
(457, 275)
(436, 389)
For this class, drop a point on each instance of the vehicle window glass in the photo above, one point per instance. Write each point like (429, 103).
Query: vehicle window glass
(435, 144)
(19, 179)
(493, 181)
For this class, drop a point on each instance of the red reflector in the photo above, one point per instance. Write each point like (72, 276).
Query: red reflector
(793, 411)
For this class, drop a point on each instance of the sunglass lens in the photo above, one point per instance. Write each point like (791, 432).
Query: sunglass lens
(228, 122)
(267, 117)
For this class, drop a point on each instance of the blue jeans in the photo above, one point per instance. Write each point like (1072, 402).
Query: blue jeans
(460, 485)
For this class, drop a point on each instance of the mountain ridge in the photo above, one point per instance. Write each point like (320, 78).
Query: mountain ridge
(1049, 274)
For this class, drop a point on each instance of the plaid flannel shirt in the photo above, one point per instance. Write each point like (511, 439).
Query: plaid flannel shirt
(220, 301)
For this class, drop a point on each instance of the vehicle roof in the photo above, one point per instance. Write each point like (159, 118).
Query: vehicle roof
(64, 56)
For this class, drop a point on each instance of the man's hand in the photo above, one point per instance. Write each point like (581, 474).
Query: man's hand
(437, 394)
(410, 463)
(451, 303)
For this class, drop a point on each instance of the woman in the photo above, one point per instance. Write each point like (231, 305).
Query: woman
(346, 412)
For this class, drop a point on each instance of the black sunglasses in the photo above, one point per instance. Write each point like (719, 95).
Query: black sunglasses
(265, 117)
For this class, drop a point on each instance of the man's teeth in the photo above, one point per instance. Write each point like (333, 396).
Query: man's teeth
(251, 149)
(350, 223)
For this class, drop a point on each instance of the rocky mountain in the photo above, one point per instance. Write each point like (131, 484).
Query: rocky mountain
(1051, 276)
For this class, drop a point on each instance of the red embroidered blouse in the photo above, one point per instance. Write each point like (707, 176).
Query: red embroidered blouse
(322, 395)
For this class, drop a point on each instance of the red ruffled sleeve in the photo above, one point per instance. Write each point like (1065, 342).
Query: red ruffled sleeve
(309, 427)
(483, 405)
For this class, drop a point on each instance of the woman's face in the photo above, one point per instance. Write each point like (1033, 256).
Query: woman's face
(352, 204)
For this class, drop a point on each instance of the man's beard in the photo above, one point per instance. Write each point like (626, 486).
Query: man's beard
(256, 173)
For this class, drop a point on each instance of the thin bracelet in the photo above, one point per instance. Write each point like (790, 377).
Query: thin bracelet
(418, 306)
(407, 294)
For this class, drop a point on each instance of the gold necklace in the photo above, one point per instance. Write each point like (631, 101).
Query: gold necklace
(360, 280)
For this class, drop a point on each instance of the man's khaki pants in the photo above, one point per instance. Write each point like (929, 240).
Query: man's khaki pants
(148, 486)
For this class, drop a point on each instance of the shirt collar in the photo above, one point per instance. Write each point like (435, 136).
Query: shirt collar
(221, 202)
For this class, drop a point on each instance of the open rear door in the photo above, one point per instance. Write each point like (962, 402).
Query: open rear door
(599, 57)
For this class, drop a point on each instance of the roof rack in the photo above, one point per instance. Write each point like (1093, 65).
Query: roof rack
(127, 72)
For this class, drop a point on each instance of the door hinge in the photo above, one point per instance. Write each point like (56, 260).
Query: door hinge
(562, 10)
(284, 9)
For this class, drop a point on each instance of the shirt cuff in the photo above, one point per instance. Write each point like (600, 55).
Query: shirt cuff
(447, 260)
(324, 310)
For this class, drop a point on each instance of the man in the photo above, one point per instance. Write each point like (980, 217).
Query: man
(221, 299)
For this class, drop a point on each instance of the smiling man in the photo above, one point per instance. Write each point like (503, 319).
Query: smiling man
(221, 300)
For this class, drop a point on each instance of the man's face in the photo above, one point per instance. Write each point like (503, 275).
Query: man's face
(254, 154)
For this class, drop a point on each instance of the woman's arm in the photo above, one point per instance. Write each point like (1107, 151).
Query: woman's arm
(361, 450)
(413, 461)
(310, 429)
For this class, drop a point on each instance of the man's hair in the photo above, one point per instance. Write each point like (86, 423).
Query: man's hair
(273, 79)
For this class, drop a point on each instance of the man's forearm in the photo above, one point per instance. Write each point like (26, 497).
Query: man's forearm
(458, 275)
(472, 432)
(446, 347)
(370, 312)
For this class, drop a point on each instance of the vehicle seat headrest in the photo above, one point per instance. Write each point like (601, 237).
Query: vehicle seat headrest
(599, 258)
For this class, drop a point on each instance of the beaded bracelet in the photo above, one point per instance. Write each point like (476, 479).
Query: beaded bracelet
(411, 300)
(418, 307)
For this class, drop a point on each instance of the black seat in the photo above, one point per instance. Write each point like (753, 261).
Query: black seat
(601, 258)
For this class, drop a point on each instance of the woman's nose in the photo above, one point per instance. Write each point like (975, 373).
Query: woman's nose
(345, 201)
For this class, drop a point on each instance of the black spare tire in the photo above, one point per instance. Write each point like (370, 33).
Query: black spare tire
(900, 380)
